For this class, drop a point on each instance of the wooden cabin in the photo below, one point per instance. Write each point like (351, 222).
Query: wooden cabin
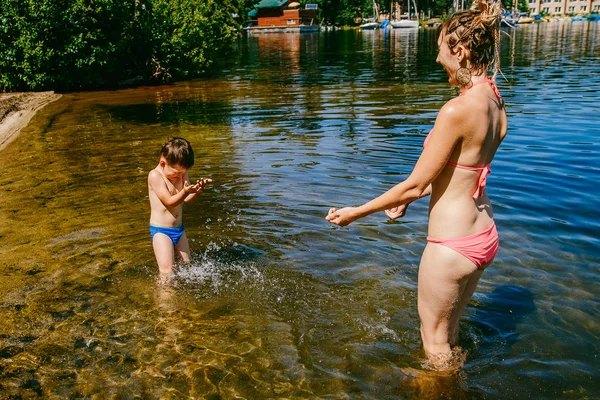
(283, 13)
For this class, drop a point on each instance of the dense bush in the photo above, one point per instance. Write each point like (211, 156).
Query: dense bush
(88, 44)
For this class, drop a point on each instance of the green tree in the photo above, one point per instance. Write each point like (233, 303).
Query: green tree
(523, 6)
(437, 8)
(88, 44)
(52, 44)
(342, 12)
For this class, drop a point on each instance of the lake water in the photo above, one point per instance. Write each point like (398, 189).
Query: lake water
(278, 303)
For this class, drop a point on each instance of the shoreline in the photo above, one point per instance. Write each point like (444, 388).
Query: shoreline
(17, 109)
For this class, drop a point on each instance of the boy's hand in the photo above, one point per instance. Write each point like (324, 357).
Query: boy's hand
(196, 187)
(189, 188)
(203, 182)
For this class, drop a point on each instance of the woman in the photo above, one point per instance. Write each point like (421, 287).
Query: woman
(462, 238)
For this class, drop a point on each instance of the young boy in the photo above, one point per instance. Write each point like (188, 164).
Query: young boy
(168, 189)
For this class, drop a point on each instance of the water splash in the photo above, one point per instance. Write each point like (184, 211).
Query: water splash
(219, 268)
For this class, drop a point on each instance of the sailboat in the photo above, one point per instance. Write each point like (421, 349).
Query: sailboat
(405, 21)
(371, 24)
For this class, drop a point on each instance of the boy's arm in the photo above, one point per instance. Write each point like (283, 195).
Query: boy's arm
(158, 185)
(190, 196)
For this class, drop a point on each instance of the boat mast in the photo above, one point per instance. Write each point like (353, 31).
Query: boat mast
(375, 13)
(415, 7)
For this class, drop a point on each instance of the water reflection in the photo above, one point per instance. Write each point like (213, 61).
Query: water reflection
(277, 304)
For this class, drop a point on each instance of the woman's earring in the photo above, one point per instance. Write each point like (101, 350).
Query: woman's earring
(463, 76)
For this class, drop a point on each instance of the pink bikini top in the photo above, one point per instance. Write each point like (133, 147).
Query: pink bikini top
(487, 80)
(485, 170)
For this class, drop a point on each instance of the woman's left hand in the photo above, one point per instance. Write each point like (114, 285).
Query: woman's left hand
(341, 217)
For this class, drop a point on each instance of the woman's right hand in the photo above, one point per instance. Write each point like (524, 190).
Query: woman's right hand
(397, 212)
(341, 217)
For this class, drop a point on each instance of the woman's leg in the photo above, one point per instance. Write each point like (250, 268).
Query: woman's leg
(465, 298)
(444, 286)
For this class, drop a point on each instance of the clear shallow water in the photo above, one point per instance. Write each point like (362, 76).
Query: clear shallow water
(278, 304)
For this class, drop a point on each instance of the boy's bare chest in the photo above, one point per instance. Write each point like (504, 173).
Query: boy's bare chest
(174, 187)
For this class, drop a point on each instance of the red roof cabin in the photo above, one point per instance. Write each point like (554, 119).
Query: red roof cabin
(279, 13)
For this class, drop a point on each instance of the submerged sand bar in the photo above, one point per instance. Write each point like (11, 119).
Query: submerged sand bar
(17, 109)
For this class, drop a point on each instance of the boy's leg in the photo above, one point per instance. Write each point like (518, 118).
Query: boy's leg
(164, 252)
(182, 250)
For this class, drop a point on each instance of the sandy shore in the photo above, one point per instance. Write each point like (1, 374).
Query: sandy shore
(17, 109)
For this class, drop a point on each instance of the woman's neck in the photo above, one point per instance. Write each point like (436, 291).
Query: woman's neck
(475, 80)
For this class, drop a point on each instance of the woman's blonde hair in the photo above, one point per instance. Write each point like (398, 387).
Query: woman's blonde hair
(478, 29)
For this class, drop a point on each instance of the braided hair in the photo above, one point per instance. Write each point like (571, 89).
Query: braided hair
(478, 29)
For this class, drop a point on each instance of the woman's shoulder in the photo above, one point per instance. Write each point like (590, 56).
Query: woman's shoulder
(455, 111)
(457, 119)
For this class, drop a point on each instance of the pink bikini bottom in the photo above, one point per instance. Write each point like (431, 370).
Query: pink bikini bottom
(480, 248)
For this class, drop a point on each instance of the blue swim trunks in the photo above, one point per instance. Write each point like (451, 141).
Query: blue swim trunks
(173, 233)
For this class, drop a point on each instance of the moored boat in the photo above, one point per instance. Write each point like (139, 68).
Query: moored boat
(405, 20)
(309, 28)
(508, 22)
(525, 20)
(405, 23)
(372, 22)
(369, 26)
